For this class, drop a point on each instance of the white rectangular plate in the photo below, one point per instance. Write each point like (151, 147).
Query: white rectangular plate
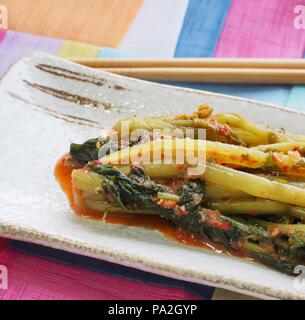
(45, 104)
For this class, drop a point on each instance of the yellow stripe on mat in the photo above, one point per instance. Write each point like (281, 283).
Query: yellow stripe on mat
(76, 50)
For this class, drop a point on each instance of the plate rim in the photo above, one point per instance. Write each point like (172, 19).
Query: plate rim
(149, 265)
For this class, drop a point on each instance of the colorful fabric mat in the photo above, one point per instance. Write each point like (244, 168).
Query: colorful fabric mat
(184, 28)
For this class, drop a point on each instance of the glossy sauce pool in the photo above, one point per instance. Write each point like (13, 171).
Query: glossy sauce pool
(63, 175)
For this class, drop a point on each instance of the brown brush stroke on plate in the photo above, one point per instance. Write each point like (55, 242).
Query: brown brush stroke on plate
(58, 115)
(73, 75)
(118, 87)
(64, 95)
(69, 74)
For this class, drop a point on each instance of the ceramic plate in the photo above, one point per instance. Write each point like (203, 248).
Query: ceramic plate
(45, 103)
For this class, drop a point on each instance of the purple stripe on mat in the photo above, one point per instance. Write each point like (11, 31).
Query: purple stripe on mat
(16, 45)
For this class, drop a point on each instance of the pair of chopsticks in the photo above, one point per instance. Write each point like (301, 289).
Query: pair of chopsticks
(212, 70)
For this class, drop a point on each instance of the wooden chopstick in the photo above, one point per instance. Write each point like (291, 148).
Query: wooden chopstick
(215, 75)
(265, 71)
(195, 63)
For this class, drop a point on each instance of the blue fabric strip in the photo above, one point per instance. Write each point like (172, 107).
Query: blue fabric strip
(108, 268)
(202, 26)
(199, 36)
(270, 94)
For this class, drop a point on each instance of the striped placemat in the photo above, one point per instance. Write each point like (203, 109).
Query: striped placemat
(152, 28)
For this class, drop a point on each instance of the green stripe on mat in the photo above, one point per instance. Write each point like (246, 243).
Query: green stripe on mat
(296, 99)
